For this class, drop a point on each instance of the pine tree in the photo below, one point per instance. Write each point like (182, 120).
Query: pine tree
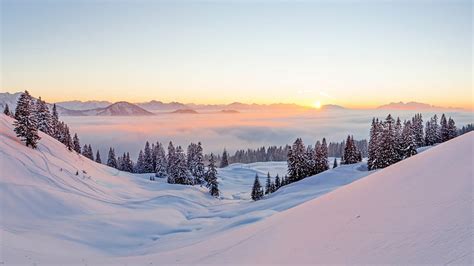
(43, 116)
(211, 176)
(111, 160)
(268, 184)
(6, 111)
(257, 192)
(373, 145)
(277, 182)
(55, 124)
(388, 154)
(77, 145)
(398, 140)
(26, 125)
(408, 147)
(321, 157)
(140, 165)
(161, 163)
(351, 154)
(171, 161)
(452, 130)
(417, 124)
(97, 157)
(334, 165)
(444, 131)
(198, 167)
(147, 159)
(181, 173)
(297, 161)
(91, 153)
(224, 159)
(66, 137)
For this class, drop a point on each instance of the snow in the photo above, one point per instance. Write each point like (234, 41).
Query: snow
(52, 215)
(104, 216)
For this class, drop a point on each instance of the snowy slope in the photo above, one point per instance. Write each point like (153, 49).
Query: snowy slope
(51, 215)
(418, 211)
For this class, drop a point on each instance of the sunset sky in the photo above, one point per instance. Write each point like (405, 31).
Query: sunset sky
(352, 53)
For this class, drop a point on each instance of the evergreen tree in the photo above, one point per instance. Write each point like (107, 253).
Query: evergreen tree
(66, 137)
(388, 154)
(43, 116)
(334, 165)
(171, 162)
(224, 159)
(444, 131)
(161, 163)
(76, 145)
(97, 157)
(408, 147)
(55, 124)
(374, 144)
(198, 165)
(111, 160)
(91, 153)
(268, 184)
(351, 154)
(321, 157)
(277, 182)
(296, 161)
(398, 140)
(181, 173)
(6, 111)
(417, 124)
(211, 176)
(26, 125)
(147, 159)
(257, 192)
(452, 130)
(140, 165)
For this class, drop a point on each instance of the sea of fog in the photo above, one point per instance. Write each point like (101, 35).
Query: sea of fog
(217, 131)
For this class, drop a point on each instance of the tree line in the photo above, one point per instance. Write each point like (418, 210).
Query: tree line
(392, 140)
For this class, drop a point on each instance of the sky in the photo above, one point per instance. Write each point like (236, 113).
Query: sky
(352, 53)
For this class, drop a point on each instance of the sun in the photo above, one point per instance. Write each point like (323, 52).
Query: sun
(317, 104)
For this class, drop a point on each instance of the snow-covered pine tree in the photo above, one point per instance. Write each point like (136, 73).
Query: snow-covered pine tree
(77, 145)
(373, 145)
(26, 125)
(334, 165)
(398, 140)
(43, 116)
(408, 146)
(297, 161)
(171, 162)
(268, 184)
(147, 159)
(417, 124)
(277, 182)
(56, 126)
(6, 110)
(91, 153)
(111, 160)
(140, 165)
(257, 192)
(97, 157)
(452, 130)
(351, 154)
(388, 152)
(224, 159)
(444, 131)
(85, 151)
(211, 176)
(181, 172)
(154, 155)
(321, 157)
(160, 161)
(67, 138)
(199, 170)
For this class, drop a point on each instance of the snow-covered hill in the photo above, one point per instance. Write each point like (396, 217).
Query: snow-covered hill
(58, 207)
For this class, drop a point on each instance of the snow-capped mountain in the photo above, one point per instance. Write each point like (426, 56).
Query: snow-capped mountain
(413, 106)
(80, 105)
(161, 106)
(119, 109)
